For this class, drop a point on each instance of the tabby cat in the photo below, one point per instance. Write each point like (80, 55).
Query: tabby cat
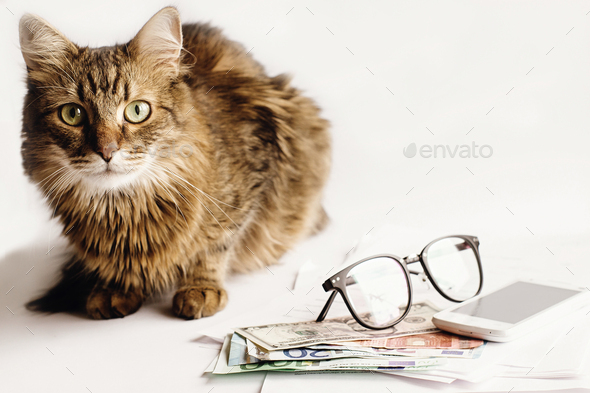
(170, 161)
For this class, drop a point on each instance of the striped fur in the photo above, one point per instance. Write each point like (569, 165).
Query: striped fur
(156, 218)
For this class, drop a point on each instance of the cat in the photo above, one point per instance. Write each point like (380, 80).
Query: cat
(247, 157)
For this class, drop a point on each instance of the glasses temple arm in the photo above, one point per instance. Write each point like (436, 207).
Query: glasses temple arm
(326, 308)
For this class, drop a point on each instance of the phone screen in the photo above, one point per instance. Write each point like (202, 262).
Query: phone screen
(516, 302)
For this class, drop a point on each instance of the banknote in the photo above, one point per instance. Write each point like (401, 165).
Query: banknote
(438, 340)
(257, 354)
(468, 353)
(223, 367)
(239, 353)
(292, 335)
(302, 353)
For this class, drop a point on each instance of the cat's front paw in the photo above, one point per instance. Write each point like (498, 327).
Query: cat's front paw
(107, 303)
(196, 301)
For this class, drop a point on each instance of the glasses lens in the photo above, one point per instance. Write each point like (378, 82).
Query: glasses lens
(378, 291)
(452, 263)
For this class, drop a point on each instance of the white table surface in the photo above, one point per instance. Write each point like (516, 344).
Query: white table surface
(512, 76)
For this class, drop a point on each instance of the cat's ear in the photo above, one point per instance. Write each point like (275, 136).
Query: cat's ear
(160, 39)
(42, 45)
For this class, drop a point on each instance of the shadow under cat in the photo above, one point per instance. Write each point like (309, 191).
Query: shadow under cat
(28, 278)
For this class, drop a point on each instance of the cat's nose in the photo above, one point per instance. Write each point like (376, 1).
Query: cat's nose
(108, 151)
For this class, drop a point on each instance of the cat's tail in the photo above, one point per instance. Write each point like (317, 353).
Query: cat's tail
(70, 293)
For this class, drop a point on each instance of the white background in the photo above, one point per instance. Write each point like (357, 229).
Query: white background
(511, 75)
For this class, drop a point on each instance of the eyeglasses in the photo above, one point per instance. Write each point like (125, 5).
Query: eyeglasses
(378, 290)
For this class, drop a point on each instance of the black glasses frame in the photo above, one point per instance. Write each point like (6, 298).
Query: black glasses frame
(337, 282)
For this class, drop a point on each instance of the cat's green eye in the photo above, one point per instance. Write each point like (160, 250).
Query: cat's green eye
(137, 111)
(72, 114)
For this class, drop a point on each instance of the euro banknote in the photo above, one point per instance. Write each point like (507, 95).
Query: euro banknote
(223, 367)
(257, 354)
(438, 340)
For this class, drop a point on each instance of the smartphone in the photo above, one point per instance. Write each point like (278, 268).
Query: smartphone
(512, 311)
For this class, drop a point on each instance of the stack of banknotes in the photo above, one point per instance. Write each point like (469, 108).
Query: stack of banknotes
(341, 344)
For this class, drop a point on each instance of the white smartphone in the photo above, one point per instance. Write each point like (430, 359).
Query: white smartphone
(512, 311)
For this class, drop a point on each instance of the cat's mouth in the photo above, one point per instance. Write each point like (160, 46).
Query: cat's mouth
(115, 173)
(107, 177)
(111, 170)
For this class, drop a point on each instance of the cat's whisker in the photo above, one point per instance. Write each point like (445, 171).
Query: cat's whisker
(204, 193)
(210, 212)
(50, 176)
(30, 103)
(55, 185)
(223, 203)
(201, 202)
(64, 183)
(52, 87)
(178, 210)
(181, 178)
(223, 211)
(60, 186)
(61, 194)
(161, 182)
(173, 188)
(71, 66)
(61, 69)
(55, 63)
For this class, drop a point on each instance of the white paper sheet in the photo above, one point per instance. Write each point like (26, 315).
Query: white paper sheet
(211, 365)
(354, 383)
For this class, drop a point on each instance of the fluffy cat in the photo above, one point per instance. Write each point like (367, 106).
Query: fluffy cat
(169, 160)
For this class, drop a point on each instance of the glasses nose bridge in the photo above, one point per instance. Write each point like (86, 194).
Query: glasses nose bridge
(411, 258)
